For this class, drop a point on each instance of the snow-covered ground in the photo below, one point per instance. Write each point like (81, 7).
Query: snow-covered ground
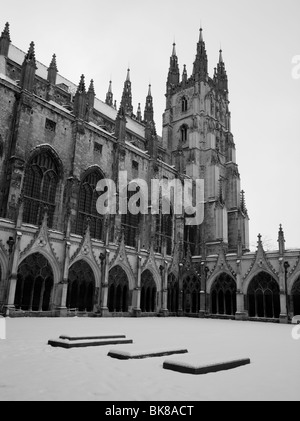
(32, 370)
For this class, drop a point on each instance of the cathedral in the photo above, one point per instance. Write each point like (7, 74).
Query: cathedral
(60, 257)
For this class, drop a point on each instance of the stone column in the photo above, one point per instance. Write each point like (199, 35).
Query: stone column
(164, 309)
(137, 289)
(240, 314)
(104, 292)
(12, 278)
(62, 287)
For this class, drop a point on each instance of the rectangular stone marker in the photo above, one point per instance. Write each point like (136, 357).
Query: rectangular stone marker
(202, 368)
(62, 343)
(88, 338)
(126, 355)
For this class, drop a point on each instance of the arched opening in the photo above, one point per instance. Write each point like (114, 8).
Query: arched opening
(173, 294)
(296, 297)
(118, 290)
(87, 202)
(184, 133)
(191, 294)
(164, 229)
(223, 296)
(41, 180)
(184, 104)
(34, 284)
(81, 288)
(149, 292)
(264, 297)
(131, 222)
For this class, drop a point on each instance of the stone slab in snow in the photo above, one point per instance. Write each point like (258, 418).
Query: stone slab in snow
(63, 343)
(88, 338)
(200, 367)
(127, 355)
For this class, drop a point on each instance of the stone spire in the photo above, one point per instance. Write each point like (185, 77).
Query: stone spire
(5, 41)
(28, 69)
(174, 74)
(281, 241)
(90, 100)
(80, 100)
(127, 95)
(221, 75)
(149, 112)
(52, 71)
(109, 96)
(201, 62)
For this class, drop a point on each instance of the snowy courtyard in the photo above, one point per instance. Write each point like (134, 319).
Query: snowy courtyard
(32, 370)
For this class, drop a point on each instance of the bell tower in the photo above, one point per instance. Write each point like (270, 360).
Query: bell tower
(197, 122)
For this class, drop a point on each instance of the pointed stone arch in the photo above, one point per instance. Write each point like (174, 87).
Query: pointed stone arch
(295, 296)
(151, 265)
(191, 293)
(81, 286)
(148, 292)
(35, 284)
(173, 293)
(223, 295)
(263, 296)
(119, 292)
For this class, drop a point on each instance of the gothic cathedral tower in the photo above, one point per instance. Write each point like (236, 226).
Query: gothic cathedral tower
(197, 135)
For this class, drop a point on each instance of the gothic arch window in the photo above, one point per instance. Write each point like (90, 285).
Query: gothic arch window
(296, 297)
(184, 133)
(118, 291)
(184, 104)
(264, 297)
(164, 230)
(148, 293)
(81, 287)
(87, 210)
(190, 239)
(223, 296)
(34, 284)
(191, 294)
(41, 180)
(173, 293)
(130, 224)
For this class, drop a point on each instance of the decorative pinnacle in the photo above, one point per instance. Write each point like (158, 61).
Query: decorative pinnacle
(201, 35)
(92, 88)
(259, 238)
(221, 57)
(174, 50)
(53, 64)
(149, 92)
(128, 75)
(110, 87)
(31, 53)
(81, 86)
(5, 32)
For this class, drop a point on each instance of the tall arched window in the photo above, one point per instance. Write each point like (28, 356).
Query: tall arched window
(296, 298)
(87, 210)
(184, 133)
(173, 293)
(130, 224)
(40, 186)
(164, 231)
(184, 104)
(118, 291)
(190, 239)
(148, 292)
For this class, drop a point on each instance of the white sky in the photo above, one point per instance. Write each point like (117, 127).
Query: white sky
(259, 39)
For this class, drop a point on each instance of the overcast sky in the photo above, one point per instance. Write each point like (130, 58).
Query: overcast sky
(259, 39)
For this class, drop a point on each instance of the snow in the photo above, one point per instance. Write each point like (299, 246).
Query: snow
(30, 370)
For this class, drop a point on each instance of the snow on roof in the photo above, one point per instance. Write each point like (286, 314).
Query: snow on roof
(17, 55)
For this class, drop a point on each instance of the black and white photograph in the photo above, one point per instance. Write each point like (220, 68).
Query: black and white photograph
(149, 203)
